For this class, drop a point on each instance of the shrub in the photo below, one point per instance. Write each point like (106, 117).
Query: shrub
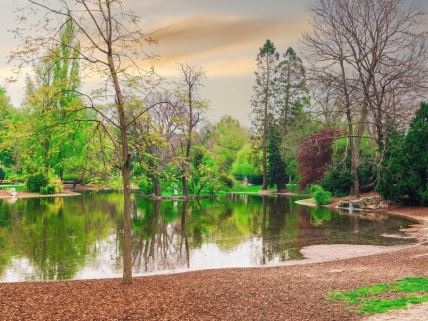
(57, 184)
(338, 178)
(36, 182)
(321, 196)
(314, 156)
(226, 180)
(48, 190)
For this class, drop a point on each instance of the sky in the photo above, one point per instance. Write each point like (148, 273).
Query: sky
(221, 36)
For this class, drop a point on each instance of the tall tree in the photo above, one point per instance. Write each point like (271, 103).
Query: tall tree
(373, 53)
(193, 107)
(276, 167)
(263, 99)
(291, 91)
(404, 175)
(111, 41)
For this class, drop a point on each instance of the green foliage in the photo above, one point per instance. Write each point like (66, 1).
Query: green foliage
(404, 173)
(371, 299)
(276, 167)
(227, 180)
(48, 190)
(204, 173)
(246, 166)
(225, 140)
(338, 178)
(36, 182)
(321, 196)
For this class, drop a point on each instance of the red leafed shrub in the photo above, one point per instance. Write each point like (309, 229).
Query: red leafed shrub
(314, 156)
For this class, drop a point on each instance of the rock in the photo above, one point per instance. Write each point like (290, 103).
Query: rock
(366, 203)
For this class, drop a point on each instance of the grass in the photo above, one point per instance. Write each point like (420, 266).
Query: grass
(372, 299)
(17, 187)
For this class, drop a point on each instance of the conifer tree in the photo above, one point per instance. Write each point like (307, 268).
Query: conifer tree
(291, 93)
(263, 100)
(276, 166)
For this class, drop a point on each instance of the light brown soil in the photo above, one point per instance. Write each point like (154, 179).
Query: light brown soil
(417, 312)
(22, 194)
(293, 293)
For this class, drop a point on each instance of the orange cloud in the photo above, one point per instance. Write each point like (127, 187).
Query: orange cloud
(222, 44)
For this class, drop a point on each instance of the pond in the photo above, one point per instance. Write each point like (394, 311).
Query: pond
(80, 237)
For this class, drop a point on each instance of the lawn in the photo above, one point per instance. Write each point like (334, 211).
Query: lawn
(380, 298)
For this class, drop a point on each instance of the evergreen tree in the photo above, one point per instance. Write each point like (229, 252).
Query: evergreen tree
(276, 166)
(291, 93)
(404, 174)
(263, 100)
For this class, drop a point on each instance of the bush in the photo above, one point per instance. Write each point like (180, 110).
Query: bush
(2, 174)
(338, 178)
(226, 180)
(36, 182)
(48, 190)
(321, 196)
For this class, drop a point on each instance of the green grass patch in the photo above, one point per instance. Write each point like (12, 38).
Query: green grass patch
(16, 187)
(374, 299)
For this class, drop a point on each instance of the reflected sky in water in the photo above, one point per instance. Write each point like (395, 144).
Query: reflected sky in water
(80, 237)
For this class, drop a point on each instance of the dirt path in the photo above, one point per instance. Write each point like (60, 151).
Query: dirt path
(294, 293)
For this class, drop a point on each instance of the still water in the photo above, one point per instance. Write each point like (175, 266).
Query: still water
(80, 237)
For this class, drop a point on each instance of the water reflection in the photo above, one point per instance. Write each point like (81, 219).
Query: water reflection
(66, 238)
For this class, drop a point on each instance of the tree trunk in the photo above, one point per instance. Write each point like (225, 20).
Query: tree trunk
(184, 183)
(355, 161)
(125, 169)
(156, 185)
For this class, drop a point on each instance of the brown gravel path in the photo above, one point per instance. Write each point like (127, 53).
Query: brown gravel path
(293, 293)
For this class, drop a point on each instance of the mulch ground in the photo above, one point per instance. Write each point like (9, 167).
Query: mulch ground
(293, 293)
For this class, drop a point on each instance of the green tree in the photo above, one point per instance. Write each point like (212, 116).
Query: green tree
(7, 115)
(404, 174)
(263, 99)
(226, 139)
(291, 91)
(276, 166)
(247, 165)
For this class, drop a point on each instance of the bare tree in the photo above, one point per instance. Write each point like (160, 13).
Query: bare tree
(193, 108)
(372, 53)
(110, 50)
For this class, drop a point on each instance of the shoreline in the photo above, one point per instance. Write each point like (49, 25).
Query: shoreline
(28, 195)
(268, 293)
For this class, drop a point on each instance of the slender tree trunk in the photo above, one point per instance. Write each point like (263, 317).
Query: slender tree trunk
(355, 162)
(265, 127)
(156, 185)
(188, 146)
(264, 146)
(125, 169)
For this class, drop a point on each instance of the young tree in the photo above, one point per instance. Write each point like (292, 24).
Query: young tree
(225, 140)
(192, 110)
(263, 99)
(110, 43)
(314, 156)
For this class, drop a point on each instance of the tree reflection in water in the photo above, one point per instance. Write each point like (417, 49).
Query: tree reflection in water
(65, 238)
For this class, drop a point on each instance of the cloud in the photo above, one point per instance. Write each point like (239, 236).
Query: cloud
(225, 42)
